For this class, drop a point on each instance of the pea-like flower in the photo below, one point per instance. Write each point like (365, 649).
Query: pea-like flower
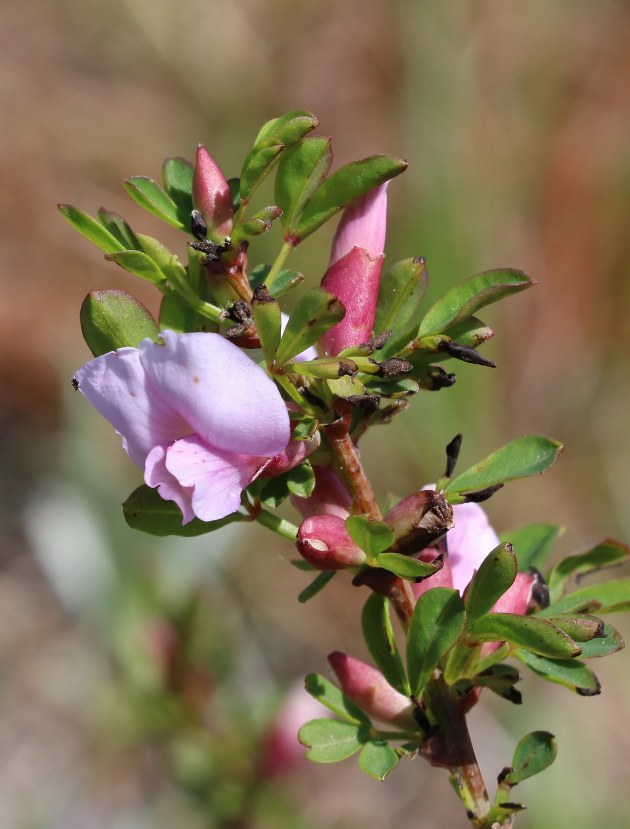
(195, 413)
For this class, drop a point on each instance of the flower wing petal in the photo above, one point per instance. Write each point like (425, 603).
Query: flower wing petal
(225, 397)
(157, 475)
(115, 384)
(216, 478)
(469, 542)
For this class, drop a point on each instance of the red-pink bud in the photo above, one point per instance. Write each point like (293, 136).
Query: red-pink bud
(330, 497)
(354, 271)
(518, 598)
(368, 688)
(211, 196)
(296, 451)
(419, 520)
(324, 542)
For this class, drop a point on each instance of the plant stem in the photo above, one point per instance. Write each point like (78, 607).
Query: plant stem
(281, 258)
(451, 747)
(273, 522)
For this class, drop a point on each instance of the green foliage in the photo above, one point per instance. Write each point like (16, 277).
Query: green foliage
(379, 637)
(267, 318)
(371, 536)
(606, 554)
(329, 741)
(605, 597)
(377, 758)
(525, 456)
(401, 292)
(530, 632)
(318, 584)
(343, 186)
(437, 623)
(146, 511)
(571, 673)
(533, 754)
(177, 178)
(463, 300)
(335, 700)
(300, 172)
(532, 543)
(406, 567)
(493, 578)
(139, 264)
(94, 231)
(315, 313)
(149, 195)
(113, 319)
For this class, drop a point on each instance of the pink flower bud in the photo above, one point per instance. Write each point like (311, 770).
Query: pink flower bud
(330, 497)
(354, 272)
(518, 597)
(367, 687)
(211, 195)
(325, 543)
(419, 520)
(296, 451)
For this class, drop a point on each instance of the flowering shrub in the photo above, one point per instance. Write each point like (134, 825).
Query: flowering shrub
(230, 408)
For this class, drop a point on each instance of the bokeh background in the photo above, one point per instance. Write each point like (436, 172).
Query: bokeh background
(514, 118)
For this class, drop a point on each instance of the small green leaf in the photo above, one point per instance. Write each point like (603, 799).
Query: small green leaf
(525, 456)
(146, 511)
(532, 543)
(301, 480)
(113, 319)
(605, 554)
(530, 632)
(347, 387)
(176, 315)
(406, 567)
(343, 186)
(500, 679)
(318, 583)
(276, 135)
(119, 228)
(268, 321)
(315, 313)
(571, 673)
(91, 229)
(494, 577)
(437, 623)
(533, 754)
(177, 177)
(377, 758)
(300, 172)
(329, 741)
(372, 536)
(284, 281)
(256, 225)
(336, 701)
(396, 389)
(462, 301)
(139, 264)
(274, 491)
(606, 597)
(379, 637)
(149, 195)
(610, 642)
(579, 626)
(401, 292)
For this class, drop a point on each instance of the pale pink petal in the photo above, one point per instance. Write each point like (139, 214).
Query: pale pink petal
(115, 384)
(354, 280)
(217, 478)
(469, 542)
(225, 397)
(157, 475)
(363, 224)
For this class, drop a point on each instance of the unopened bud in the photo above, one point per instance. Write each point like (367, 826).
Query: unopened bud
(211, 196)
(330, 497)
(295, 452)
(324, 542)
(367, 687)
(419, 521)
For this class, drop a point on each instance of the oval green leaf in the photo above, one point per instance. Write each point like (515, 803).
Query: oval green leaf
(493, 578)
(379, 638)
(329, 741)
(315, 313)
(529, 632)
(91, 229)
(607, 553)
(146, 511)
(533, 754)
(521, 458)
(113, 319)
(533, 543)
(571, 673)
(334, 699)
(149, 195)
(300, 172)
(377, 758)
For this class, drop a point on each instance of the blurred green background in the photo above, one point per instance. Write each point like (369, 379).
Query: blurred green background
(514, 118)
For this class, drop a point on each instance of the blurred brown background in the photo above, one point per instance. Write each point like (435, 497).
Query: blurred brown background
(514, 118)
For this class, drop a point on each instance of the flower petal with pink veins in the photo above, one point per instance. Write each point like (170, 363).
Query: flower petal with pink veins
(116, 385)
(216, 478)
(224, 396)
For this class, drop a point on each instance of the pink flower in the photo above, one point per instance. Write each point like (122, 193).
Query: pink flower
(468, 543)
(211, 195)
(367, 687)
(354, 271)
(329, 497)
(195, 413)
